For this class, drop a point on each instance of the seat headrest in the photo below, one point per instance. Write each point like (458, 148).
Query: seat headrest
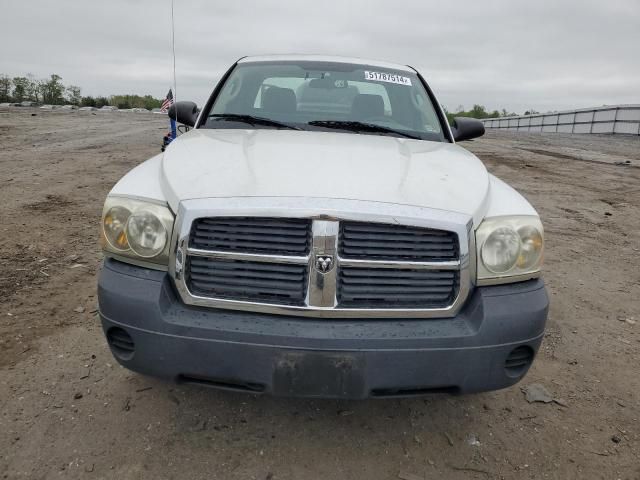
(279, 100)
(366, 105)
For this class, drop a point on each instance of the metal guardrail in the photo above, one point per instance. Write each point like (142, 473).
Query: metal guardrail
(623, 119)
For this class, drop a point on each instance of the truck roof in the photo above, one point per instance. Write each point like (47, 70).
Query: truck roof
(324, 58)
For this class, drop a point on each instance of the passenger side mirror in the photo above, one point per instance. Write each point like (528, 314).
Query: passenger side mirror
(184, 112)
(465, 128)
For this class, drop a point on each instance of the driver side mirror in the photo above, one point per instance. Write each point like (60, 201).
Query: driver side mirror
(465, 128)
(184, 112)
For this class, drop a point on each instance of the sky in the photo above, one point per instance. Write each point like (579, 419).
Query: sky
(512, 54)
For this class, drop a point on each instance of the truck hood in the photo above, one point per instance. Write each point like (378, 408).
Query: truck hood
(207, 163)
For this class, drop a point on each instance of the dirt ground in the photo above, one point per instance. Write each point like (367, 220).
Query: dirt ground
(69, 411)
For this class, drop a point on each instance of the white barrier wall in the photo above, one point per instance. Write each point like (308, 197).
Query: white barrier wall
(610, 119)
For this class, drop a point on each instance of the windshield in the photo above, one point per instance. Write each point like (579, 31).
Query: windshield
(352, 98)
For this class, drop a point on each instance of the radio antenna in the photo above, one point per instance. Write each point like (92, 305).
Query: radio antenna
(173, 51)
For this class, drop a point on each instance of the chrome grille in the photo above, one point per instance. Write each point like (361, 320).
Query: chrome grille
(275, 236)
(400, 262)
(277, 283)
(396, 242)
(396, 288)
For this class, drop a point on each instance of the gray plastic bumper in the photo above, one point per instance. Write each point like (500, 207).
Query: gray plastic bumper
(489, 345)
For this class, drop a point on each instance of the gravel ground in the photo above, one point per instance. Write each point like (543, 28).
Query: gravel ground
(69, 411)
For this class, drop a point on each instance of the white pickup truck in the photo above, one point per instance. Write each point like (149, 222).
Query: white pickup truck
(318, 232)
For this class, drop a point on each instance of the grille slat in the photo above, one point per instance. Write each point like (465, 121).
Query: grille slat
(260, 292)
(201, 273)
(393, 229)
(382, 288)
(383, 301)
(397, 254)
(401, 245)
(291, 285)
(205, 228)
(251, 267)
(369, 274)
(282, 248)
(228, 237)
(274, 236)
(396, 242)
(364, 234)
(284, 284)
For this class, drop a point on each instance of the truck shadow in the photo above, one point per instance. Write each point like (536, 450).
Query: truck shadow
(426, 432)
(435, 420)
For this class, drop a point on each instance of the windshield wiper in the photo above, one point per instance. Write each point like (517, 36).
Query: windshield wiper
(354, 126)
(251, 120)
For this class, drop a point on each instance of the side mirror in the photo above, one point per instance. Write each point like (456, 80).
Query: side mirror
(184, 112)
(465, 128)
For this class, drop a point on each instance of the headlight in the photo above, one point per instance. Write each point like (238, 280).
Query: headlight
(146, 234)
(509, 249)
(136, 229)
(114, 223)
(500, 250)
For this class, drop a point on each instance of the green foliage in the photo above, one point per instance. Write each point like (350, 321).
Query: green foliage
(97, 102)
(135, 101)
(87, 102)
(34, 88)
(508, 114)
(101, 101)
(49, 90)
(73, 95)
(52, 91)
(478, 111)
(20, 87)
(5, 89)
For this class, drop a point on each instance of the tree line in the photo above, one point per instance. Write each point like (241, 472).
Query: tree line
(51, 91)
(480, 112)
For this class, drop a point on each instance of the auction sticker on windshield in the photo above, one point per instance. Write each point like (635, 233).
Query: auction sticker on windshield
(387, 77)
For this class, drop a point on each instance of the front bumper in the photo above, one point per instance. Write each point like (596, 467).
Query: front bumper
(489, 345)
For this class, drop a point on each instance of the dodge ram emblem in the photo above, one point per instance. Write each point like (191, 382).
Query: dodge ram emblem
(324, 263)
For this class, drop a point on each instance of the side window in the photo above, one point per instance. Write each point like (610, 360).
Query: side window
(430, 120)
(227, 94)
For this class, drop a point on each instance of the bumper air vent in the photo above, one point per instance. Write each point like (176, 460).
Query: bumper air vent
(518, 361)
(121, 343)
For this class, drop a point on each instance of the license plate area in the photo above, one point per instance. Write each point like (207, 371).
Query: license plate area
(326, 374)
